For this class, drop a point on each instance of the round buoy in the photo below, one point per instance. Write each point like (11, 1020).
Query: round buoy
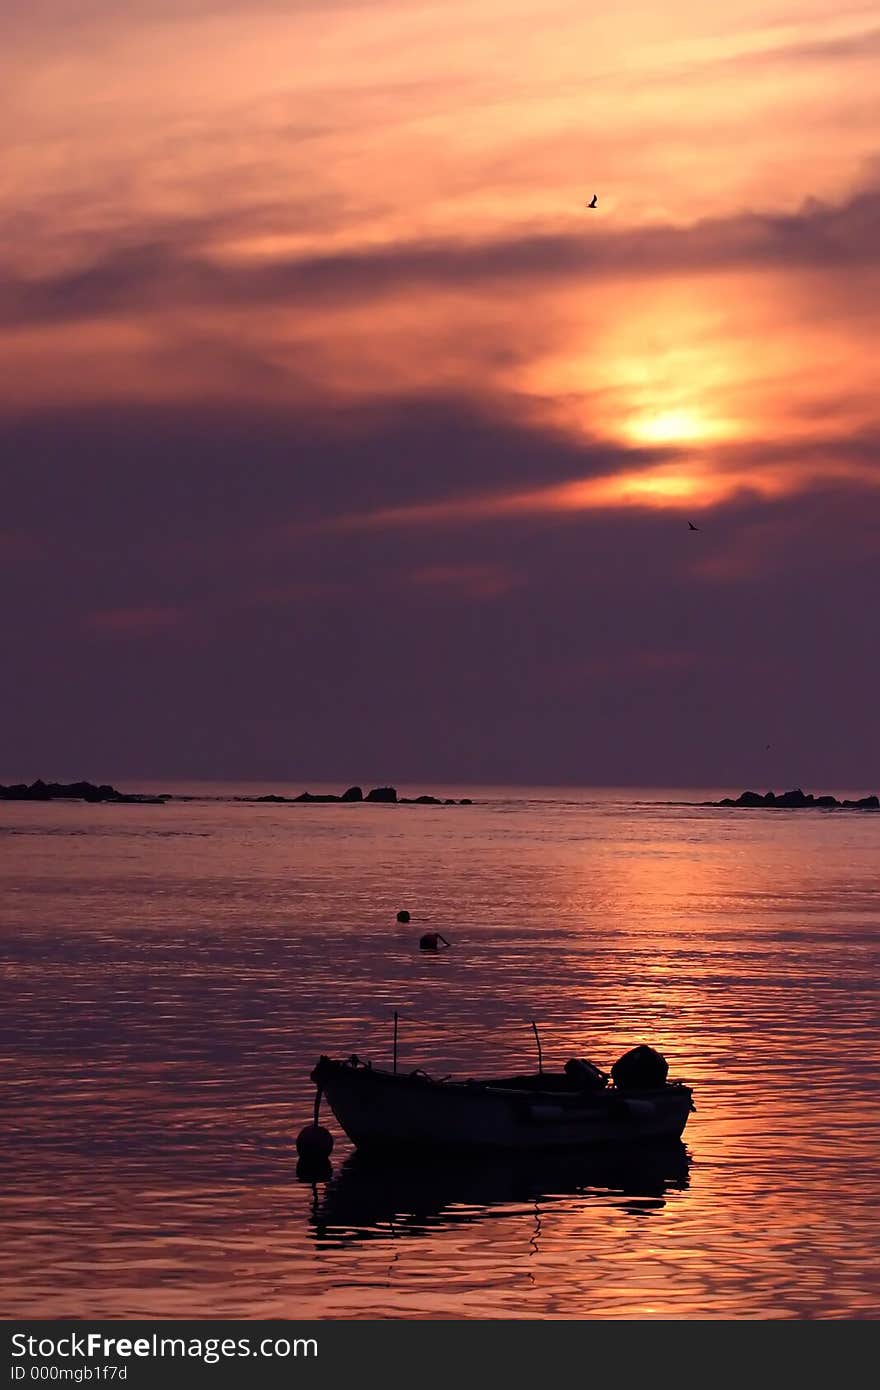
(403, 915)
(314, 1143)
(432, 941)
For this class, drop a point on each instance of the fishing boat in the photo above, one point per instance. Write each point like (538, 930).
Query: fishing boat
(545, 1110)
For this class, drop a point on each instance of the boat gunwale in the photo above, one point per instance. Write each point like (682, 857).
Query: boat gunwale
(473, 1086)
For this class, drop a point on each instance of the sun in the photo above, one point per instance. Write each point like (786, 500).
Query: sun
(669, 427)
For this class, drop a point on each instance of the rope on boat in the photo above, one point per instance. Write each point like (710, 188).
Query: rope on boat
(538, 1041)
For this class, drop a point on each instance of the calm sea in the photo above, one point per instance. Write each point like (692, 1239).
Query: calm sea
(172, 974)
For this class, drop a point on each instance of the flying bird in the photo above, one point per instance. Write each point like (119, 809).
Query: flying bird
(594, 201)
(692, 527)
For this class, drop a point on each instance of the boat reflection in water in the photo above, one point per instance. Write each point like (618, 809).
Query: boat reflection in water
(374, 1198)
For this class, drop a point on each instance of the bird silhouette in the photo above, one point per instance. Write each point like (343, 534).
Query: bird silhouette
(692, 527)
(594, 201)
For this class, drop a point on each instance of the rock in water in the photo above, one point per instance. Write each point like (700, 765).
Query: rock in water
(796, 800)
(382, 794)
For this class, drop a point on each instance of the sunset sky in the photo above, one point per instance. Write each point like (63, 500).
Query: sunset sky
(340, 441)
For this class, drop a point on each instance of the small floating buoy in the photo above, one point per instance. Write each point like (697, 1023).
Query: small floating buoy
(431, 941)
(403, 915)
(314, 1143)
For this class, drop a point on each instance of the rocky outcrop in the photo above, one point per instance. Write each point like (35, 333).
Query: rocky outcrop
(76, 791)
(381, 795)
(433, 801)
(797, 800)
(89, 791)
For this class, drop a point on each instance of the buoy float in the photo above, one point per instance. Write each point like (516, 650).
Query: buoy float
(314, 1143)
(431, 941)
(403, 915)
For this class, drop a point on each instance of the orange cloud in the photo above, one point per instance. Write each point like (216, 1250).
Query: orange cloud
(334, 205)
(688, 485)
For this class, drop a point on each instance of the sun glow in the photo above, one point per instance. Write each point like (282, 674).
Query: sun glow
(670, 427)
(658, 487)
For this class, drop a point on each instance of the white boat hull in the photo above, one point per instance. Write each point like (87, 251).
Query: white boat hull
(379, 1109)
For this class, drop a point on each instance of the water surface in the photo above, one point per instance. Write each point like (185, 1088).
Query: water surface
(172, 973)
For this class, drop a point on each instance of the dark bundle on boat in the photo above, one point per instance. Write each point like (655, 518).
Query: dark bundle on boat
(640, 1069)
(586, 1075)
